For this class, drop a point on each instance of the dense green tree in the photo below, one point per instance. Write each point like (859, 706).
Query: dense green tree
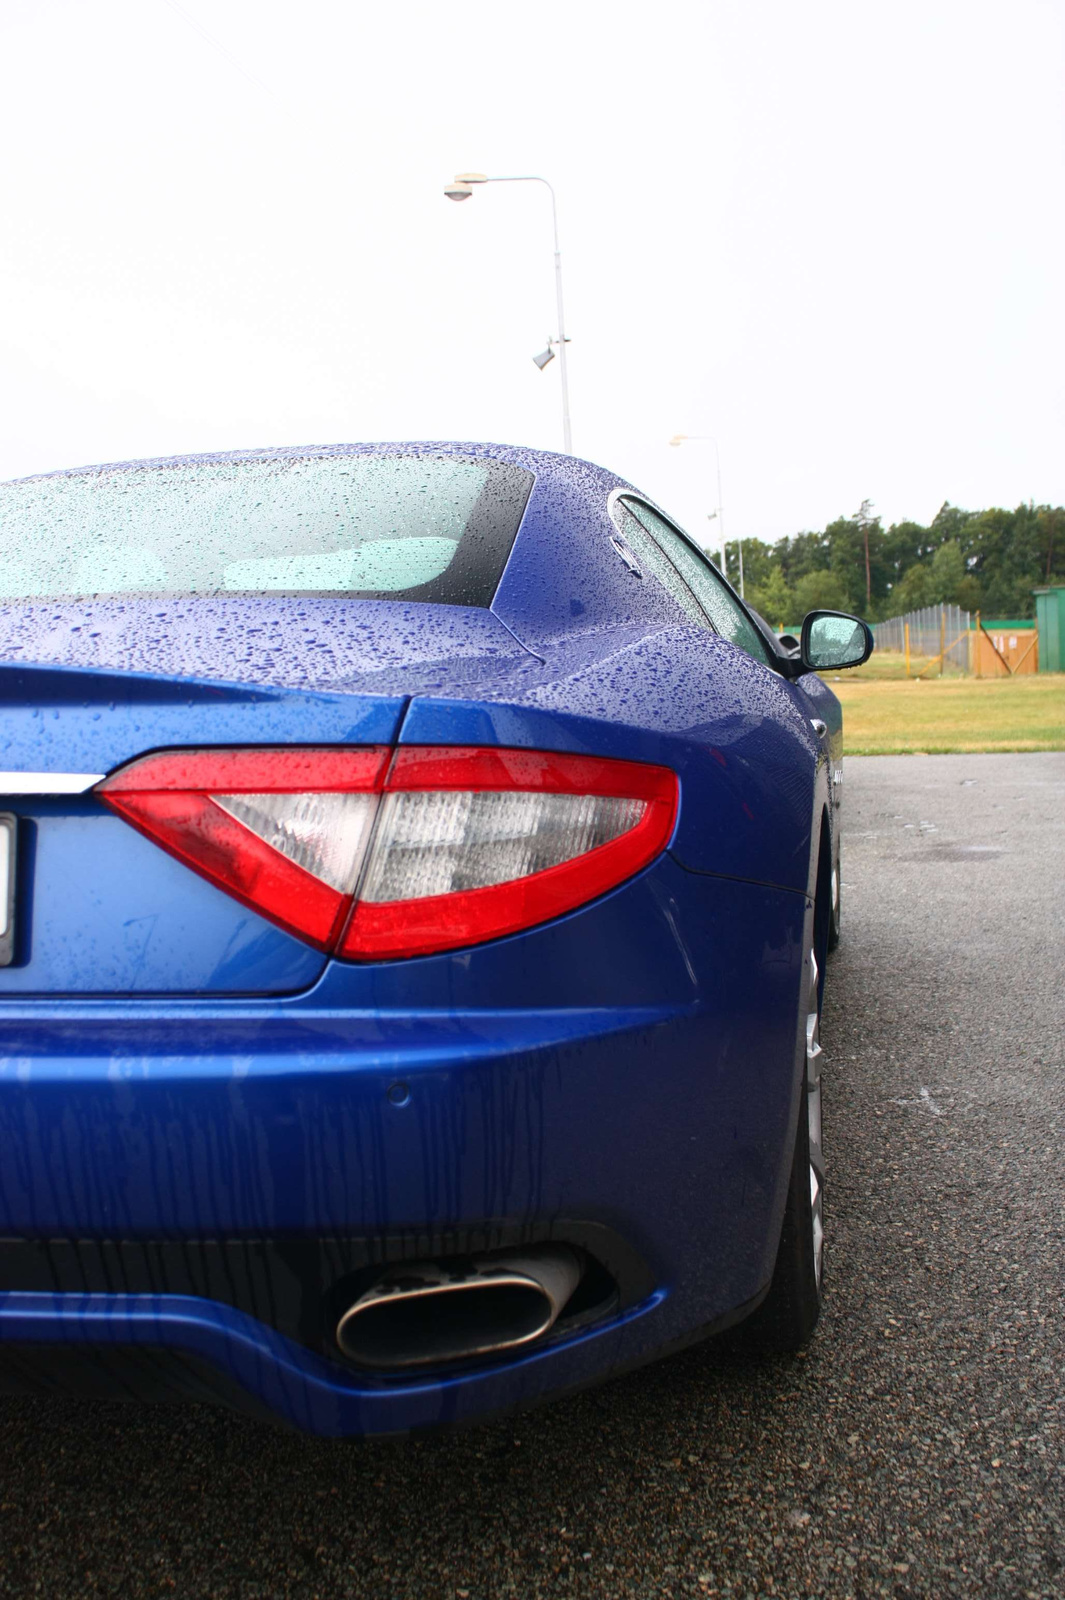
(904, 544)
(1004, 549)
(805, 552)
(981, 560)
(948, 573)
(1052, 552)
(820, 591)
(774, 600)
(914, 590)
(758, 562)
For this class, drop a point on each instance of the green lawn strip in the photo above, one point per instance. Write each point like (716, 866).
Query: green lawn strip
(954, 716)
(981, 747)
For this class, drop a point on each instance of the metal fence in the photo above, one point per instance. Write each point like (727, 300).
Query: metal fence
(933, 630)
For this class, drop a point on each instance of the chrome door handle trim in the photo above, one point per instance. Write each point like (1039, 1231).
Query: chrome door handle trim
(621, 548)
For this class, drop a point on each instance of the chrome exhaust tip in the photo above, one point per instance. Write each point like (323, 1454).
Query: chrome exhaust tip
(430, 1312)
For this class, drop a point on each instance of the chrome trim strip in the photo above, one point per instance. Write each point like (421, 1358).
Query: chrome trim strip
(623, 493)
(619, 544)
(48, 782)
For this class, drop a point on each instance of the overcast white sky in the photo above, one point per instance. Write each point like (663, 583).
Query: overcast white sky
(828, 233)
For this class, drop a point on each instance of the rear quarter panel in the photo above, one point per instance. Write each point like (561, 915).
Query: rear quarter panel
(753, 773)
(625, 673)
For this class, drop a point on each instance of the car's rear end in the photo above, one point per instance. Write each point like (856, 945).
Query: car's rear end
(370, 1075)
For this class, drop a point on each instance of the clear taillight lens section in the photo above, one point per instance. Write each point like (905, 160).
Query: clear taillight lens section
(325, 834)
(284, 831)
(443, 843)
(371, 855)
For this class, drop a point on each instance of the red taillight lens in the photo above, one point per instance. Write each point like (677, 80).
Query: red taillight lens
(472, 844)
(285, 831)
(375, 856)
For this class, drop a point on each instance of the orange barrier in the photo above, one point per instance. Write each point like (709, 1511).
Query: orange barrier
(1002, 653)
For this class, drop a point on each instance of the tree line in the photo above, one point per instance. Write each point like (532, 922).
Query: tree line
(987, 561)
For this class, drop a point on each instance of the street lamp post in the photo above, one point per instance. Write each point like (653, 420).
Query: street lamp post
(460, 189)
(683, 438)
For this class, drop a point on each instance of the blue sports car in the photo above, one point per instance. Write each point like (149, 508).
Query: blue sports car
(416, 873)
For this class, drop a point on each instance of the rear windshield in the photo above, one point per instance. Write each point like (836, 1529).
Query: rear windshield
(375, 527)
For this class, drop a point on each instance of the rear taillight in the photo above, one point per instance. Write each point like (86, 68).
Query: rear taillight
(369, 855)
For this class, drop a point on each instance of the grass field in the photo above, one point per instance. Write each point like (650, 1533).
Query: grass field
(947, 716)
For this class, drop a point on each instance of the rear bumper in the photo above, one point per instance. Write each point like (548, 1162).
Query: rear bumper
(130, 1129)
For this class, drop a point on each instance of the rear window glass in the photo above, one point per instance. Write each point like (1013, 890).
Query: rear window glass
(375, 527)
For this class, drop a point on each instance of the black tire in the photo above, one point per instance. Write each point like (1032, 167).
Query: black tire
(788, 1315)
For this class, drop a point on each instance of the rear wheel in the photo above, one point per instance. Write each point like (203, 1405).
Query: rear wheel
(788, 1315)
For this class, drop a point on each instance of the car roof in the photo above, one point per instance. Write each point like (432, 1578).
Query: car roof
(545, 464)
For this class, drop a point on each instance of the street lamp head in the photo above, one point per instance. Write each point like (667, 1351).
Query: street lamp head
(678, 438)
(458, 191)
(471, 177)
(545, 356)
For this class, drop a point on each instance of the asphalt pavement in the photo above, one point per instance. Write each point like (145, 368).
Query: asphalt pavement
(915, 1449)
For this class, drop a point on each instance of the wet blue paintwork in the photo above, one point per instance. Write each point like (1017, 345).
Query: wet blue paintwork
(103, 910)
(734, 730)
(666, 1120)
(312, 1394)
(636, 1063)
(240, 670)
(310, 1141)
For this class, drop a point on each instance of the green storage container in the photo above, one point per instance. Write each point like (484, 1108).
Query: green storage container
(1050, 620)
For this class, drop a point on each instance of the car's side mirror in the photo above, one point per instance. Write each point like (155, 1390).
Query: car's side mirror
(834, 639)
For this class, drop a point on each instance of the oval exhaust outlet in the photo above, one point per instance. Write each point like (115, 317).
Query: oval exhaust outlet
(429, 1312)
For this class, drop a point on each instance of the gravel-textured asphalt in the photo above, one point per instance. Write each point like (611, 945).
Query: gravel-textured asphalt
(915, 1449)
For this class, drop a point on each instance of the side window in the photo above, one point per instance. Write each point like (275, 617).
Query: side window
(651, 557)
(720, 605)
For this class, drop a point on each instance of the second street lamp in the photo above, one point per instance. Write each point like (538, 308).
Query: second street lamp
(460, 188)
(708, 438)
